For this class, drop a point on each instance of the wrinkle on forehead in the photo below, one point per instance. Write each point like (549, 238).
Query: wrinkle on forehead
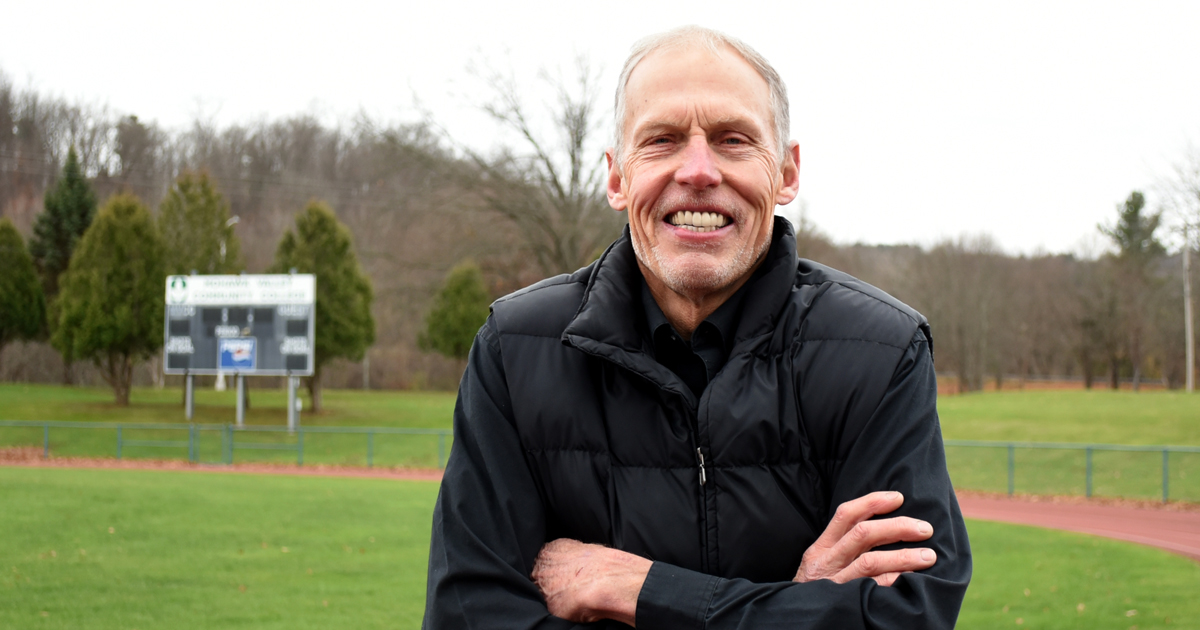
(683, 97)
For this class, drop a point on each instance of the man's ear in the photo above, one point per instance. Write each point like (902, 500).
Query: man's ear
(790, 172)
(616, 194)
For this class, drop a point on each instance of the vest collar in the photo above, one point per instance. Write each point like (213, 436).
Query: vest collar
(608, 323)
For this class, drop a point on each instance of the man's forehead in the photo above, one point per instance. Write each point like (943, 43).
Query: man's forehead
(692, 55)
(721, 76)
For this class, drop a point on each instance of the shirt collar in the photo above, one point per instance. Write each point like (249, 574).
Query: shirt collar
(609, 323)
(722, 321)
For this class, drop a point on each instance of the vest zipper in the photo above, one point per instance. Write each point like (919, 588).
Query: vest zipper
(700, 457)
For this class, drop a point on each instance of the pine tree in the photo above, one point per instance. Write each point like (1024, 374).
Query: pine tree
(323, 246)
(1137, 250)
(22, 309)
(458, 311)
(194, 222)
(111, 302)
(69, 208)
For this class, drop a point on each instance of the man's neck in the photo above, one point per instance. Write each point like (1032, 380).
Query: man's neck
(685, 312)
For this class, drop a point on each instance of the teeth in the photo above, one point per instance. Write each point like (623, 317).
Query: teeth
(699, 221)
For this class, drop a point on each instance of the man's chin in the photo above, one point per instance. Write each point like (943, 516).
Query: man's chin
(697, 278)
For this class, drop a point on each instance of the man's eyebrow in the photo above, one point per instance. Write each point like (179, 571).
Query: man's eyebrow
(734, 122)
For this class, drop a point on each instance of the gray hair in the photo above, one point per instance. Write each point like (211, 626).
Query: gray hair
(714, 41)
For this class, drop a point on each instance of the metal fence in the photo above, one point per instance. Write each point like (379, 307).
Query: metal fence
(1088, 452)
(189, 438)
(978, 465)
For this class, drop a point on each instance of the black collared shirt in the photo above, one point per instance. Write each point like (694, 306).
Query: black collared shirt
(698, 360)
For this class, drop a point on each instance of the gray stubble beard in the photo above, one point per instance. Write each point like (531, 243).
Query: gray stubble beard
(688, 282)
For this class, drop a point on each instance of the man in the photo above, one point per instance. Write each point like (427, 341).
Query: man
(696, 430)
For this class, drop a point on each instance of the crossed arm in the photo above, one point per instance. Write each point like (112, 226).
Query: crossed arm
(586, 583)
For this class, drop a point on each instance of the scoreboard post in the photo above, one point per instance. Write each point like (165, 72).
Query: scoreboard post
(248, 325)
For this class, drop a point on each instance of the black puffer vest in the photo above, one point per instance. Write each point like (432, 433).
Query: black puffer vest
(735, 484)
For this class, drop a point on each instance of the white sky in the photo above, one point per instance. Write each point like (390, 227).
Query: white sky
(1026, 120)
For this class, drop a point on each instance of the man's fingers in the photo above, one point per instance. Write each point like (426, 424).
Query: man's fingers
(868, 535)
(878, 564)
(853, 512)
(887, 579)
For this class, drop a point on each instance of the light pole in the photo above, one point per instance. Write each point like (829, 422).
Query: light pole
(233, 220)
(1188, 333)
(219, 385)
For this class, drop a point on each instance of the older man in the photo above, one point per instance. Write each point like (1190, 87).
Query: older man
(698, 429)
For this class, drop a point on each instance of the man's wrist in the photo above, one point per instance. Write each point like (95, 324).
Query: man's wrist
(616, 596)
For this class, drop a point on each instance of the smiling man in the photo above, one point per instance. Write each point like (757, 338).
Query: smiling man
(699, 430)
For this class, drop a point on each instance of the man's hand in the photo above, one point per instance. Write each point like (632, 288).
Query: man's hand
(843, 552)
(585, 583)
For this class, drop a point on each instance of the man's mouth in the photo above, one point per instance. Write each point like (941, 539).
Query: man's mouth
(698, 221)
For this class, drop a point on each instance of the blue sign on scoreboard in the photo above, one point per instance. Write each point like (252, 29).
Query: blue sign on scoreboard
(237, 354)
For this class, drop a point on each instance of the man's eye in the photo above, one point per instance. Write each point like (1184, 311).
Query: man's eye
(732, 140)
(660, 140)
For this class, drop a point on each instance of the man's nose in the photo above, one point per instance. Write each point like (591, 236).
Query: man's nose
(699, 169)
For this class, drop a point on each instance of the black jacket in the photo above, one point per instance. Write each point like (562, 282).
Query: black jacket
(566, 427)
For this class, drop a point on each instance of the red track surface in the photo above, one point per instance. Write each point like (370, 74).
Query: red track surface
(1177, 531)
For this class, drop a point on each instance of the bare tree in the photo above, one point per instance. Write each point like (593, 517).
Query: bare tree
(957, 284)
(1182, 197)
(551, 190)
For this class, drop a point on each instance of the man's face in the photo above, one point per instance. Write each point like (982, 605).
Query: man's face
(701, 174)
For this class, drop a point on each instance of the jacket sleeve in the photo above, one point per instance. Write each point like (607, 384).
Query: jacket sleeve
(488, 520)
(900, 448)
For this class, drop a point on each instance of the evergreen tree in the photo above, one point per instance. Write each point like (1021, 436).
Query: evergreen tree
(22, 310)
(69, 208)
(1133, 235)
(193, 220)
(322, 245)
(111, 303)
(458, 311)
(1137, 250)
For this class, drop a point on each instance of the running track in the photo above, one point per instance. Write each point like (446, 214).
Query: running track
(1175, 531)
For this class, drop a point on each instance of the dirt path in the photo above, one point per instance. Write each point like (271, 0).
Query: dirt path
(1175, 527)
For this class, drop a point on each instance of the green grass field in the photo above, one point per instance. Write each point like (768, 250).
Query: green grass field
(139, 549)
(1098, 416)
(410, 410)
(128, 550)
(1059, 580)
(347, 408)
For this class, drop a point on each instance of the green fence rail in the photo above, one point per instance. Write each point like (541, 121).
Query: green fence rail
(1088, 450)
(232, 438)
(979, 465)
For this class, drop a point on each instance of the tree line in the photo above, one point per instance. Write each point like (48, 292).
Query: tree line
(92, 280)
(440, 226)
(1114, 318)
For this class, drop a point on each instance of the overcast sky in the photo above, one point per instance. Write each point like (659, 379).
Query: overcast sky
(1029, 121)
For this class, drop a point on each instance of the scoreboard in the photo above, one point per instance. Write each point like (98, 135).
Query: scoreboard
(253, 325)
